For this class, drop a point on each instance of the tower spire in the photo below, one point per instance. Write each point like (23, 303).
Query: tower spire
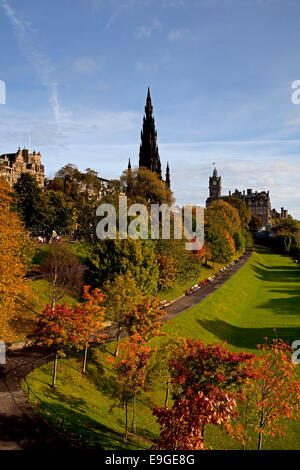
(149, 156)
(168, 181)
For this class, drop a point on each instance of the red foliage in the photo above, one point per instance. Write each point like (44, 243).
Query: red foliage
(206, 382)
(75, 327)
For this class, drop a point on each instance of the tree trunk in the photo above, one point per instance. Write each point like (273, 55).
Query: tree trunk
(85, 360)
(54, 281)
(202, 433)
(167, 393)
(262, 415)
(133, 427)
(54, 370)
(259, 440)
(118, 342)
(126, 424)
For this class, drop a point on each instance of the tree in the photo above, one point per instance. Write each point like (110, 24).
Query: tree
(16, 252)
(60, 212)
(93, 320)
(206, 381)
(285, 243)
(288, 225)
(63, 271)
(131, 369)
(64, 328)
(243, 210)
(109, 258)
(255, 223)
(30, 203)
(160, 365)
(167, 271)
(145, 318)
(182, 425)
(222, 224)
(273, 390)
(145, 186)
(122, 295)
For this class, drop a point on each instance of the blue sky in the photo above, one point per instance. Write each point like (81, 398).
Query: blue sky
(220, 73)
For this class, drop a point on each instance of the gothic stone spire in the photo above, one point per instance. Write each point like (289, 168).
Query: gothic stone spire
(149, 156)
(168, 181)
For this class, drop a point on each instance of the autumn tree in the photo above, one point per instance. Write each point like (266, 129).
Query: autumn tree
(15, 258)
(206, 381)
(273, 390)
(243, 210)
(167, 271)
(255, 223)
(182, 425)
(160, 370)
(131, 369)
(63, 271)
(122, 295)
(65, 329)
(145, 186)
(94, 315)
(222, 224)
(146, 318)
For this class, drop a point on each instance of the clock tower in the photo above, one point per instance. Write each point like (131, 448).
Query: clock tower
(215, 188)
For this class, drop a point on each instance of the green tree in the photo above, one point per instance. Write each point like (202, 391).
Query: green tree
(30, 203)
(109, 258)
(59, 211)
(145, 186)
(244, 212)
(122, 295)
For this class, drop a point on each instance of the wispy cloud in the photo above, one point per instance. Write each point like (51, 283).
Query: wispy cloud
(44, 69)
(145, 31)
(177, 34)
(87, 65)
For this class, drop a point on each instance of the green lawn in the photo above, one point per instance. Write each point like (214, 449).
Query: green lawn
(261, 299)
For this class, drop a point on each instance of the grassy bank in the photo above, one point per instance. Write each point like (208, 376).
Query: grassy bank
(261, 299)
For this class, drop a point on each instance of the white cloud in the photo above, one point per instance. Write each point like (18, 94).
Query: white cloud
(145, 31)
(177, 34)
(87, 65)
(145, 67)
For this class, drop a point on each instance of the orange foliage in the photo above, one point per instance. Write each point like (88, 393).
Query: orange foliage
(15, 253)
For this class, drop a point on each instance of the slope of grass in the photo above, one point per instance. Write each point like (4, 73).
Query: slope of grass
(180, 288)
(261, 299)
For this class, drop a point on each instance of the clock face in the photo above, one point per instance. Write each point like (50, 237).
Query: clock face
(214, 182)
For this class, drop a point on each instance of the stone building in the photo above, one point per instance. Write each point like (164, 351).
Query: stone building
(12, 165)
(258, 202)
(276, 216)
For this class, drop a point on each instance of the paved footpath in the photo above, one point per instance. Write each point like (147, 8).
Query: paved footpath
(188, 301)
(20, 427)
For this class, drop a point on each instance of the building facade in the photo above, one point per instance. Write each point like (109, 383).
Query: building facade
(258, 202)
(12, 165)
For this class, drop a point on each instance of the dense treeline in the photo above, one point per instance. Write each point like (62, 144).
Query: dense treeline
(69, 204)
(284, 238)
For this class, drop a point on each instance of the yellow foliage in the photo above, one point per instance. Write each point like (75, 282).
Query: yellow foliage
(15, 253)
